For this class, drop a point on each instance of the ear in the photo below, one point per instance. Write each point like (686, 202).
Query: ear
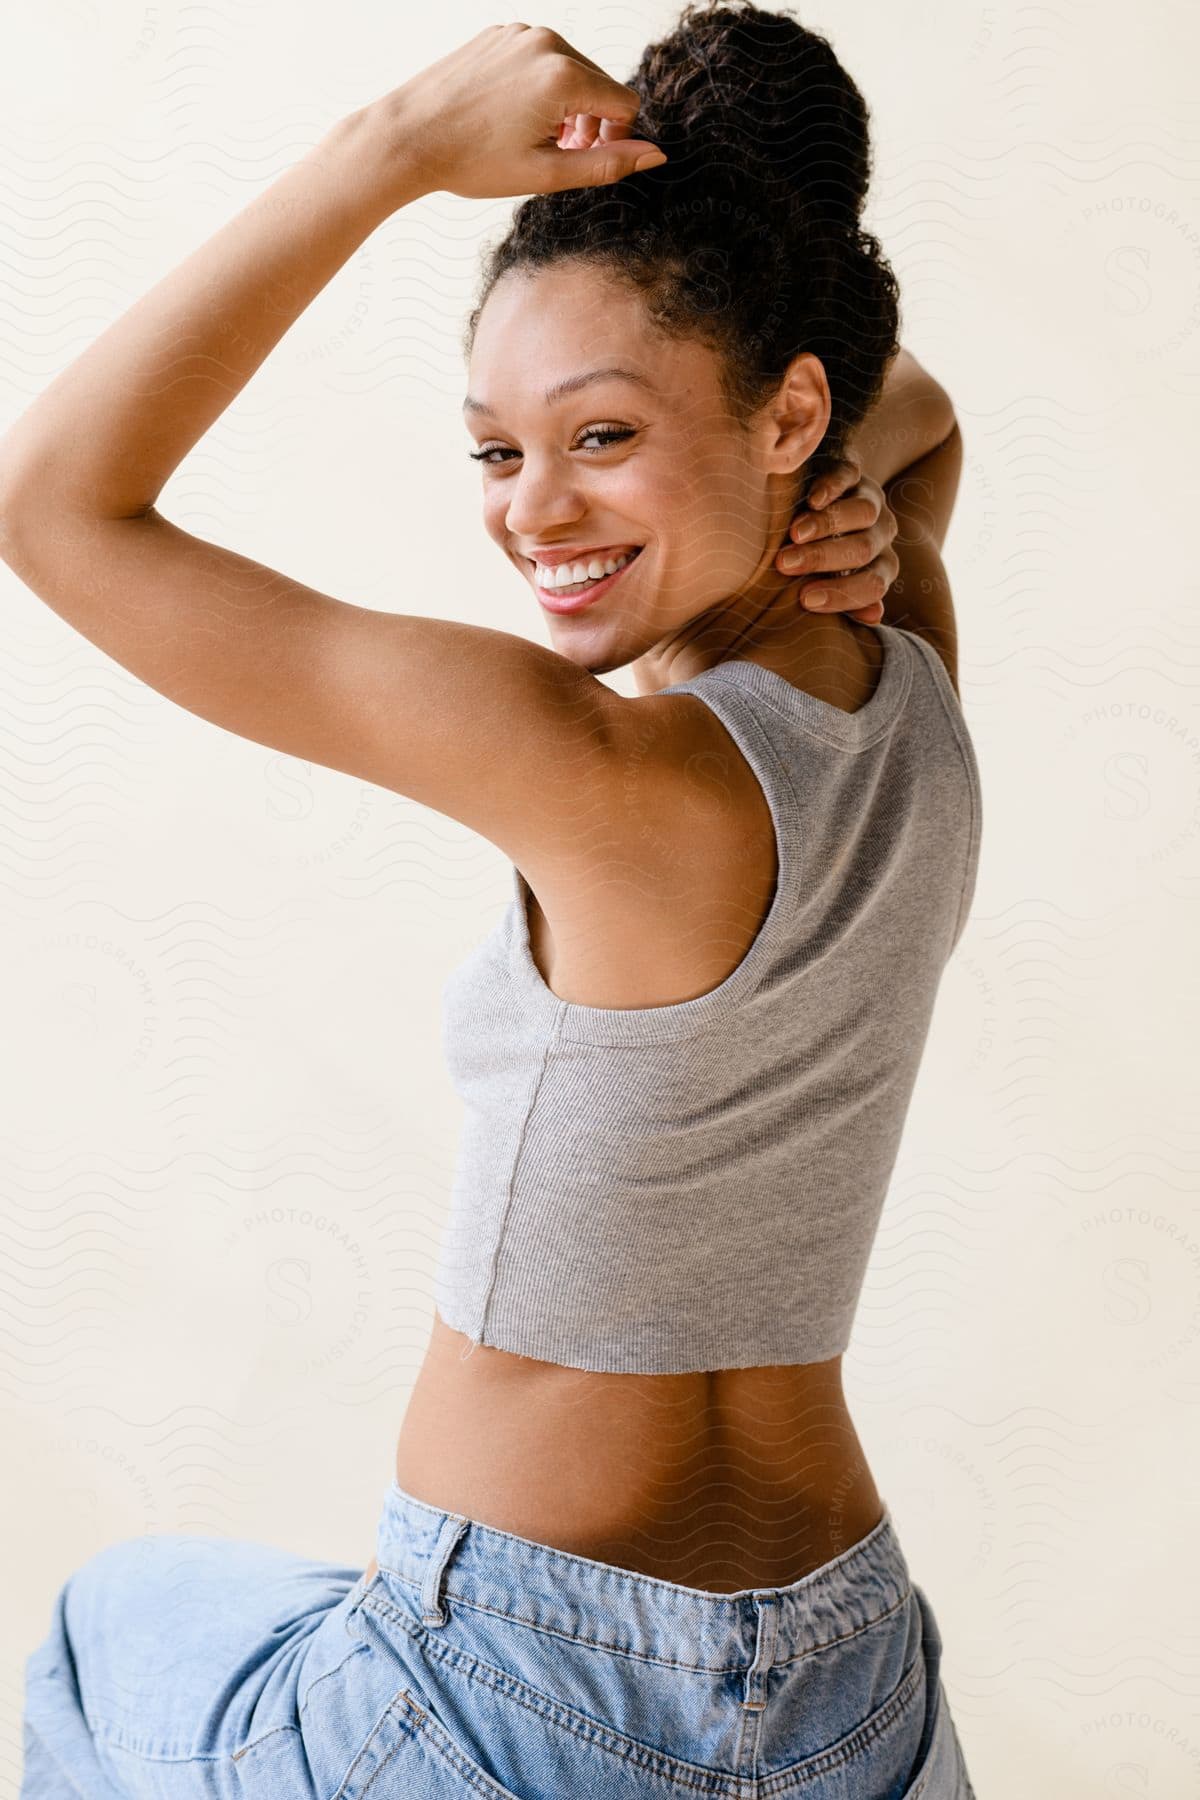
(799, 415)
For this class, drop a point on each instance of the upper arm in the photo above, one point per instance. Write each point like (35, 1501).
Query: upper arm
(922, 498)
(500, 733)
(911, 445)
(913, 413)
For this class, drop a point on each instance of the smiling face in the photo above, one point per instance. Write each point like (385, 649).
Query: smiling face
(653, 459)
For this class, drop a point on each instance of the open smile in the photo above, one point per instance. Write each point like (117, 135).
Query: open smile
(580, 593)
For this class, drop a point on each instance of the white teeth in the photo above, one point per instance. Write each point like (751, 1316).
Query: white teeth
(567, 574)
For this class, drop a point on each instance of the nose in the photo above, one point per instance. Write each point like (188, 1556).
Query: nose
(541, 502)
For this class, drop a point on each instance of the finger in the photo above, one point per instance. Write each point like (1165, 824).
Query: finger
(850, 549)
(857, 512)
(834, 481)
(585, 88)
(604, 163)
(576, 87)
(833, 555)
(815, 561)
(579, 57)
(859, 589)
(580, 132)
(867, 615)
(621, 102)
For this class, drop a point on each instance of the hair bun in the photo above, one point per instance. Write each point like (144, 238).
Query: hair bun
(749, 236)
(749, 101)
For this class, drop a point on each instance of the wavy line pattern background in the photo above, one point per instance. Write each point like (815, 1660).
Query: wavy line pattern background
(226, 1137)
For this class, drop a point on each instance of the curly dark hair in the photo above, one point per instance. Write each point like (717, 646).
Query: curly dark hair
(748, 237)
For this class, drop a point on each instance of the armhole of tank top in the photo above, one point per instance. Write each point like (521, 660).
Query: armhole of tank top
(953, 708)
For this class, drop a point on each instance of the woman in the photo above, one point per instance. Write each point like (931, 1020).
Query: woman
(633, 1545)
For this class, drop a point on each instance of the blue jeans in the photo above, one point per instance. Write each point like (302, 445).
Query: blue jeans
(477, 1663)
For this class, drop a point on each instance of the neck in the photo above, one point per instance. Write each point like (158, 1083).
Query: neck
(764, 623)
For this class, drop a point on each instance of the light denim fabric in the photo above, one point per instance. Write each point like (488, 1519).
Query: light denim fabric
(476, 1662)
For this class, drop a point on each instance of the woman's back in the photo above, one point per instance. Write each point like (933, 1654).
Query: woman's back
(723, 1477)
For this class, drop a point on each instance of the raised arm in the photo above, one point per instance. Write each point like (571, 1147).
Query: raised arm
(502, 734)
(911, 445)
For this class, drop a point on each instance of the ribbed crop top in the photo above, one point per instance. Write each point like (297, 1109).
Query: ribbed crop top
(697, 1186)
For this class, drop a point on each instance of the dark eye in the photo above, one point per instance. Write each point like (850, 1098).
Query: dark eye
(614, 434)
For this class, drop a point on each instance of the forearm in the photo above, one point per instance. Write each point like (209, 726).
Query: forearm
(913, 415)
(107, 434)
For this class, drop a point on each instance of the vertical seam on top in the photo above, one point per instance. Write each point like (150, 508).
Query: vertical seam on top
(494, 1271)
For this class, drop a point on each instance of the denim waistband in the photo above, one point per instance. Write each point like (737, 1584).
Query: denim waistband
(445, 1556)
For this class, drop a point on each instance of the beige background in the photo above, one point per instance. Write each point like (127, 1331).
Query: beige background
(227, 1136)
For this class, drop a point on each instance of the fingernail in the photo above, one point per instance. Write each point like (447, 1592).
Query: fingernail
(817, 496)
(652, 160)
(803, 530)
(817, 597)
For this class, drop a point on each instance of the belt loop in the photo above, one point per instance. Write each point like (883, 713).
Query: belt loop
(755, 1697)
(432, 1610)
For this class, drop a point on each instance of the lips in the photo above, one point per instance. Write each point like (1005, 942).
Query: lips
(558, 601)
(552, 559)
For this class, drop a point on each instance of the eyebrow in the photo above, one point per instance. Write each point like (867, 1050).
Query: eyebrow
(571, 385)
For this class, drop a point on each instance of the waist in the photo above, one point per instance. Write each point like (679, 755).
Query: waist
(532, 1584)
(722, 1480)
(604, 1682)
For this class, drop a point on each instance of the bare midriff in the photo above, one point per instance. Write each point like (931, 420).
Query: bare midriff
(733, 1479)
(721, 1480)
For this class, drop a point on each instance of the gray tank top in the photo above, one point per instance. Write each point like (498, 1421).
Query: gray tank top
(697, 1186)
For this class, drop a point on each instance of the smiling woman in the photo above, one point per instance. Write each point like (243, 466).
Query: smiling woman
(703, 494)
(632, 1534)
